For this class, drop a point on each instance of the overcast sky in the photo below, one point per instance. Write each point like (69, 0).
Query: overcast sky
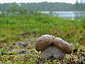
(25, 1)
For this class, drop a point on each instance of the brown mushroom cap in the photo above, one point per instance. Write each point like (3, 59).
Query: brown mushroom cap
(63, 45)
(46, 40)
(43, 42)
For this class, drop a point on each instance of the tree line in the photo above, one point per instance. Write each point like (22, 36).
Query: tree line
(44, 6)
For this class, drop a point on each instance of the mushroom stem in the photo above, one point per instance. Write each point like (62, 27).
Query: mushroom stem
(52, 53)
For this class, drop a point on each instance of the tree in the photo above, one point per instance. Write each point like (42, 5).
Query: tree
(16, 9)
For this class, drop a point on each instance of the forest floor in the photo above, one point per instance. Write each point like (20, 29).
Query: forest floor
(23, 52)
(19, 33)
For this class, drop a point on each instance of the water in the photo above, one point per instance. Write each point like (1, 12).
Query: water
(66, 14)
(0, 12)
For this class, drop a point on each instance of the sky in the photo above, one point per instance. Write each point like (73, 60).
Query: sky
(25, 1)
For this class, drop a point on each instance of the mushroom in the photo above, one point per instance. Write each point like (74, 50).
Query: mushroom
(52, 47)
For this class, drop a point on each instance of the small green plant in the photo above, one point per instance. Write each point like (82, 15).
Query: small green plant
(2, 51)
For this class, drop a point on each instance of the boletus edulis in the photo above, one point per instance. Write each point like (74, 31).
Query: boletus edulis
(52, 47)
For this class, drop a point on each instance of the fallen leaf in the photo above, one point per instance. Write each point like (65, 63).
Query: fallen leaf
(29, 47)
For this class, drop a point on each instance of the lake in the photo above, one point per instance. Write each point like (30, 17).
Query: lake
(66, 14)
